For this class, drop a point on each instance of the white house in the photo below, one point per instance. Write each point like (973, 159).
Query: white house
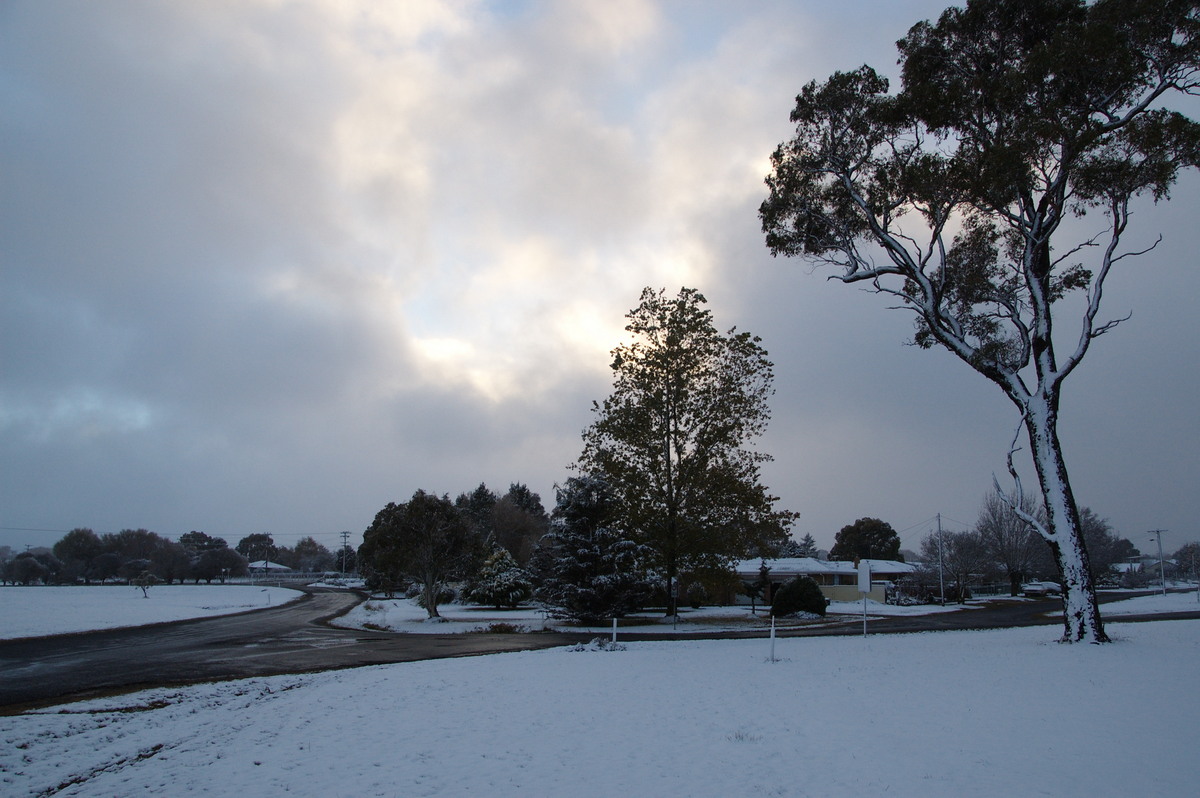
(265, 566)
(838, 580)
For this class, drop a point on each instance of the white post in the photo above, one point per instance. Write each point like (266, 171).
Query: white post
(772, 638)
(614, 639)
(864, 587)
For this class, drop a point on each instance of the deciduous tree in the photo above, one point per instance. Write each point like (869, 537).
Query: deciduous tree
(866, 538)
(1011, 541)
(673, 440)
(76, 550)
(256, 547)
(961, 555)
(954, 195)
(426, 540)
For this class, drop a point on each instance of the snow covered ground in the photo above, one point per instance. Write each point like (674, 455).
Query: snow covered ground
(1153, 605)
(34, 611)
(995, 713)
(403, 615)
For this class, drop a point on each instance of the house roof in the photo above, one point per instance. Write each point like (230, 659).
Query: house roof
(270, 566)
(811, 565)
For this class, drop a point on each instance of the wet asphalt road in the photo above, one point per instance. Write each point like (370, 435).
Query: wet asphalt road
(295, 638)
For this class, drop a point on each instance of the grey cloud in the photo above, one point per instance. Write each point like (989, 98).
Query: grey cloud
(229, 234)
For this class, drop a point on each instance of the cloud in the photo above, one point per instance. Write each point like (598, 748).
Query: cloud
(269, 265)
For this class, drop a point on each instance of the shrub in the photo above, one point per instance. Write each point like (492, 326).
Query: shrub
(445, 594)
(799, 595)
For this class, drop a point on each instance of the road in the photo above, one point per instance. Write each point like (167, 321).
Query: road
(295, 638)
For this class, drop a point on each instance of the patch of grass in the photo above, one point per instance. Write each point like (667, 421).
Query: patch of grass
(743, 736)
(501, 628)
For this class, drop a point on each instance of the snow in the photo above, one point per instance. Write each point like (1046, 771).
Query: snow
(1152, 605)
(404, 615)
(991, 713)
(36, 611)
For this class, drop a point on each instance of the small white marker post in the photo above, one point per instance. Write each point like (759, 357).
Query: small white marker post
(614, 631)
(864, 587)
(772, 638)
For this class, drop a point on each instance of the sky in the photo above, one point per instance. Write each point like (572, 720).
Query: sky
(268, 265)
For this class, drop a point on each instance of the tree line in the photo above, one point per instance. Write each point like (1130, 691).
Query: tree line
(83, 557)
(1002, 546)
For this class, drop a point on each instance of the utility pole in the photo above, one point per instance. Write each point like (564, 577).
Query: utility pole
(941, 579)
(1162, 569)
(345, 545)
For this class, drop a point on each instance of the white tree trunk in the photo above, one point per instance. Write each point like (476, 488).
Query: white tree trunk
(1081, 614)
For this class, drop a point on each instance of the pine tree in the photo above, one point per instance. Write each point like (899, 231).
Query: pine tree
(500, 582)
(588, 570)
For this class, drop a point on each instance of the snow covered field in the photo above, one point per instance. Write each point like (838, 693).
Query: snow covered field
(34, 611)
(997, 713)
(404, 615)
(1153, 605)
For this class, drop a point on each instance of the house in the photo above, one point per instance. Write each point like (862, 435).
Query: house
(837, 580)
(265, 566)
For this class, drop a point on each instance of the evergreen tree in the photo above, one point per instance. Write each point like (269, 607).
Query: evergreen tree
(518, 521)
(500, 582)
(477, 506)
(586, 568)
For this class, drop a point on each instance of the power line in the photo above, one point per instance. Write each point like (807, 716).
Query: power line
(31, 529)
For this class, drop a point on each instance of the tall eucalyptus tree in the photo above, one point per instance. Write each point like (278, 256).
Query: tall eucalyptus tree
(954, 195)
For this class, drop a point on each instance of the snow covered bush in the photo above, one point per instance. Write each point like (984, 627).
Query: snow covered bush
(500, 582)
(799, 595)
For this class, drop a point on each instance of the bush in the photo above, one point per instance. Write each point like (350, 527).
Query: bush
(799, 595)
(445, 594)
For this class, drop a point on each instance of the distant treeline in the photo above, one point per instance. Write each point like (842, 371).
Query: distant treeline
(83, 557)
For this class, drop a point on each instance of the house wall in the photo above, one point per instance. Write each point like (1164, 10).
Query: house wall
(850, 593)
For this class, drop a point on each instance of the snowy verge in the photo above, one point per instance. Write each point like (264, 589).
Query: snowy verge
(37, 611)
(404, 615)
(1152, 605)
(943, 713)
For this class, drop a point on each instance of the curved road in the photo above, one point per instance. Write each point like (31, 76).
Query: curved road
(295, 638)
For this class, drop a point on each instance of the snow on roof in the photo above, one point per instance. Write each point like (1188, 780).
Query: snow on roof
(811, 565)
(270, 566)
